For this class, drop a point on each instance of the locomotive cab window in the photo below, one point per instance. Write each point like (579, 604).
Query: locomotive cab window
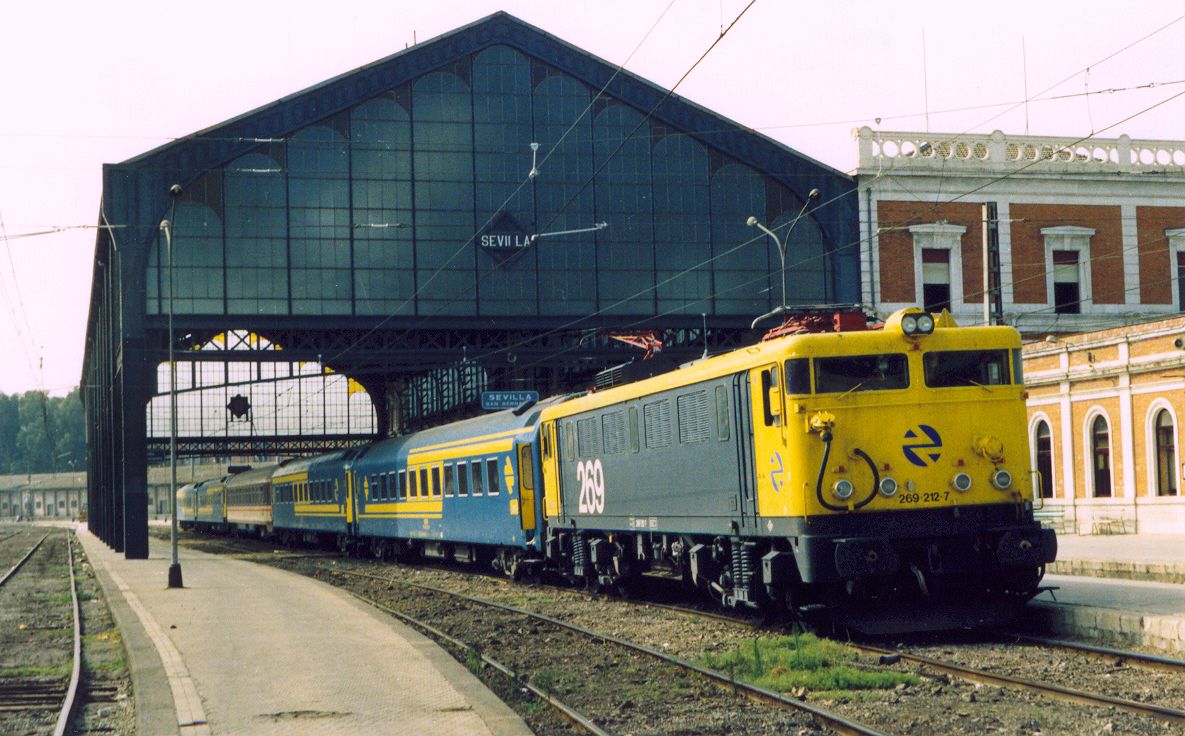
(798, 376)
(951, 368)
(861, 373)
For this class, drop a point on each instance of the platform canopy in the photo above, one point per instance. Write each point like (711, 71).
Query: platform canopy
(399, 220)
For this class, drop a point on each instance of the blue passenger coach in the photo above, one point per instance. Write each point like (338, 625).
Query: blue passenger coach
(309, 498)
(453, 491)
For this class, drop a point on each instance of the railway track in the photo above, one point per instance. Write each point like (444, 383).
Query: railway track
(1137, 659)
(981, 676)
(34, 698)
(1028, 698)
(829, 720)
(1049, 690)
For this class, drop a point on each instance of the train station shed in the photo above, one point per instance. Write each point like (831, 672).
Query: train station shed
(487, 210)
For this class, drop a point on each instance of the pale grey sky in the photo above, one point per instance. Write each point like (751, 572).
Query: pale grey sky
(92, 83)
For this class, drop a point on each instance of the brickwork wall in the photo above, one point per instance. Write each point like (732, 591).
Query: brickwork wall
(1028, 249)
(1156, 267)
(896, 246)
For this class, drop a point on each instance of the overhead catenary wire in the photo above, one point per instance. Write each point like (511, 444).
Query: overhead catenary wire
(822, 205)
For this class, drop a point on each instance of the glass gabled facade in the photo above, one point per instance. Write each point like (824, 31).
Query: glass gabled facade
(383, 208)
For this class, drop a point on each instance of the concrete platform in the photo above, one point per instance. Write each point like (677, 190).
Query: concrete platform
(248, 649)
(1126, 590)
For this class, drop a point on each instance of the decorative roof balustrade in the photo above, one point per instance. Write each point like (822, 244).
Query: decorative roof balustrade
(952, 152)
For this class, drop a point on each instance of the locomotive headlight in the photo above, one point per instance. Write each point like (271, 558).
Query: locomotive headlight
(909, 324)
(843, 489)
(1002, 479)
(925, 324)
(888, 486)
(961, 482)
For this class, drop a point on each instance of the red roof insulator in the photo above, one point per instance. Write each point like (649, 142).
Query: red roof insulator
(814, 322)
(648, 341)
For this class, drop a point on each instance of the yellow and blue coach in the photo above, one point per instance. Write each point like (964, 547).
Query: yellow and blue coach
(464, 491)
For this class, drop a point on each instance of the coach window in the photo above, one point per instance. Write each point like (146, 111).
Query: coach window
(425, 489)
(1100, 445)
(412, 491)
(477, 477)
(401, 480)
(450, 484)
(462, 479)
(492, 484)
(798, 376)
(435, 481)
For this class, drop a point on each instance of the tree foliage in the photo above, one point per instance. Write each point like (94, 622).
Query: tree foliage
(41, 434)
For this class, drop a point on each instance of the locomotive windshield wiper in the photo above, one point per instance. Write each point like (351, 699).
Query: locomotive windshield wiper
(850, 390)
(977, 383)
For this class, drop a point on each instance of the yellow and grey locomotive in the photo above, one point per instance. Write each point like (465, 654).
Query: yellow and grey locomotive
(878, 476)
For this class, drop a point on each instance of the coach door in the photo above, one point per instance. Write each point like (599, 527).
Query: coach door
(526, 484)
(351, 481)
(551, 476)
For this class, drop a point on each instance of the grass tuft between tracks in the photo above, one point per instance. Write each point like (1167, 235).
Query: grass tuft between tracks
(803, 662)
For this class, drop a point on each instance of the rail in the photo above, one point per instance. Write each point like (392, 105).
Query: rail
(76, 671)
(1056, 692)
(21, 561)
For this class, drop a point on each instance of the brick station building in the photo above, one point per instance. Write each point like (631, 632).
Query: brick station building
(1091, 233)
(1092, 261)
(1104, 426)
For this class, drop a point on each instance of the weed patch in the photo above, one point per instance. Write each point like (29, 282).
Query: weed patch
(802, 661)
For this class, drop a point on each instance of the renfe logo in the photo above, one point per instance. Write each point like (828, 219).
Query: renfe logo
(911, 449)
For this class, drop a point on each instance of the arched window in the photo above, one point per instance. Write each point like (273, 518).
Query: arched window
(1166, 455)
(1044, 451)
(1100, 445)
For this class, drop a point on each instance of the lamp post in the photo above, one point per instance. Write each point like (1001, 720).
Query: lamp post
(167, 227)
(753, 222)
